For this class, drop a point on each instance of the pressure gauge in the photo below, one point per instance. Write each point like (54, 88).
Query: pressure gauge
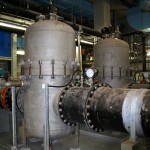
(90, 73)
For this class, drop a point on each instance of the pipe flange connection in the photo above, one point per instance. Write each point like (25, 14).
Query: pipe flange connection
(89, 118)
(5, 100)
(60, 108)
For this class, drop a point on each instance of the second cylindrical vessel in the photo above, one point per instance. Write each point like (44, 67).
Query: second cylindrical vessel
(111, 58)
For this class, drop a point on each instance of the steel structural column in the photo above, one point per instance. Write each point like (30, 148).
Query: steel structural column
(144, 52)
(14, 147)
(14, 56)
(101, 14)
(46, 127)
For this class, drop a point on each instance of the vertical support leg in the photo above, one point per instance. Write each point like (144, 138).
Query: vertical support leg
(46, 133)
(147, 141)
(103, 19)
(14, 147)
(134, 120)
(76, 141)
(50, 145)
(10, 128)
(79, 58)
(132, 123)
(24, 139)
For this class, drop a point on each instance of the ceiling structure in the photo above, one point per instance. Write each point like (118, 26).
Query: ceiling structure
(76, 11)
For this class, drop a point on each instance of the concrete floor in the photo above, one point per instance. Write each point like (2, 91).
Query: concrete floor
(88, 141)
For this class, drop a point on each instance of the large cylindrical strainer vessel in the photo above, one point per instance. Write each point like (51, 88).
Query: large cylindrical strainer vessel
(111, 58)
(50, 53)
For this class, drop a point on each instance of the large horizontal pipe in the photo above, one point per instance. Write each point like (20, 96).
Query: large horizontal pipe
(7, 6)
(84, 29)
(130, 3)
(102, 108)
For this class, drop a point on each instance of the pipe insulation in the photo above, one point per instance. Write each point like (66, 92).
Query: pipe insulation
(102, 108)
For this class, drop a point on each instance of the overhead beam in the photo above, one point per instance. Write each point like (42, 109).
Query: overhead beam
(130, 3)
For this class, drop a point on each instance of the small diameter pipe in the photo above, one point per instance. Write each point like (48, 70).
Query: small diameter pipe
(77, 133)
(13, 90)
(46, 141)
(50, 2)
(79, 51)
(24, 142)
(10, 84)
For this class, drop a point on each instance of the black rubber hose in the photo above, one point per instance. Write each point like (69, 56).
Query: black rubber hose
(60, 86)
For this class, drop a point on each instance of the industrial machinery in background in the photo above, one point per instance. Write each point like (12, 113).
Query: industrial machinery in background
(138, 58)
(5, 94)
(138, 54)
(5, 99)
(140, 80)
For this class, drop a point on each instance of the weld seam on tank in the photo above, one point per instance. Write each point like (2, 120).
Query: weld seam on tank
(131, 110)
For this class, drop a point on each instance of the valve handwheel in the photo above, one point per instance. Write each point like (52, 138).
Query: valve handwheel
(6, 102)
